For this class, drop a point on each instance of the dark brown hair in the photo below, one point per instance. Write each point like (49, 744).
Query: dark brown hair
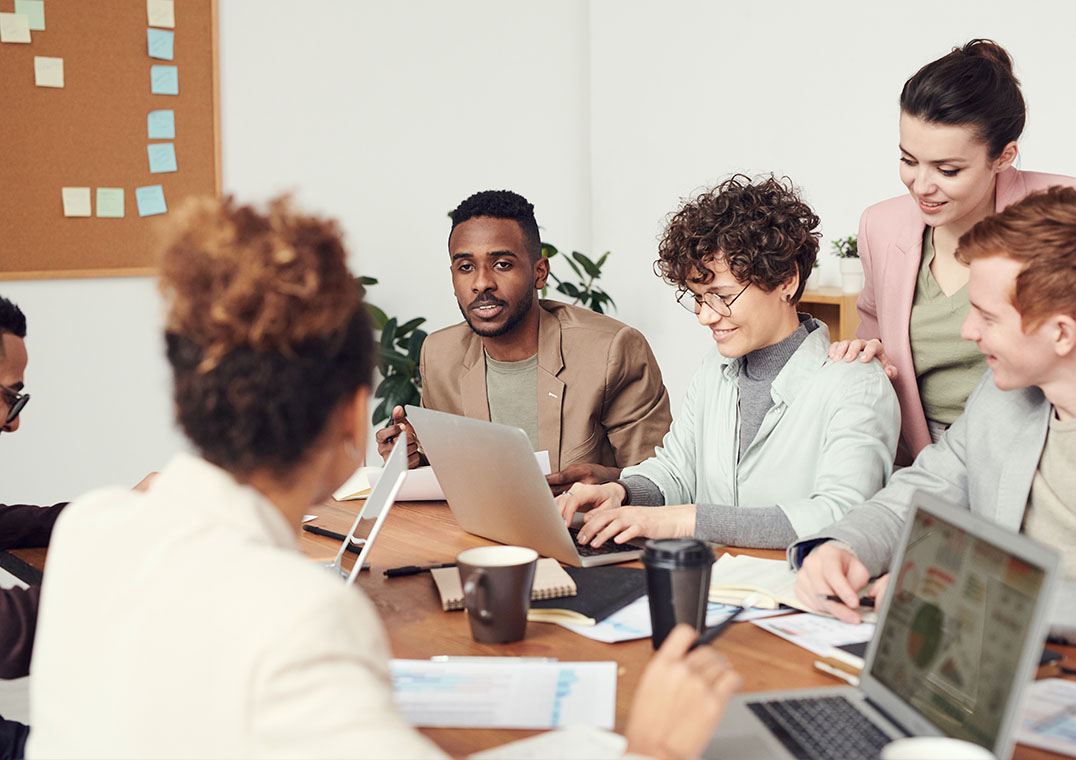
(973, 85)
(760, 228)
(1038, 231)
(265, 330)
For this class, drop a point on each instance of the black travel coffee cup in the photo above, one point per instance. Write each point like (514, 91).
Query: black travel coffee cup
(678, 583)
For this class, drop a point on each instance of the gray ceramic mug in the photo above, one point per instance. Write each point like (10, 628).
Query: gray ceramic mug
(497, 584)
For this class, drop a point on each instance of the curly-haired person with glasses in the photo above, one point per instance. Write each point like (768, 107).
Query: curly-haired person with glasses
(773, 440)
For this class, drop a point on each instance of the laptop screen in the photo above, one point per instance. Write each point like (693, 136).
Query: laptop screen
(958, 621)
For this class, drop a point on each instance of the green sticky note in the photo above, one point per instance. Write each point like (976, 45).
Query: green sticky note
(150, 200)
(110, 202)
(34, 10)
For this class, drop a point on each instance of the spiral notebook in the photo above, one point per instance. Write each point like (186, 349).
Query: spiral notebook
(550, 582)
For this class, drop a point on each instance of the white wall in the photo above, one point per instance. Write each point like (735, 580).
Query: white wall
(602, 112)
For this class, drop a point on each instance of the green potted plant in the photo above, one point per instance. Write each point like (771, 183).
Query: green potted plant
(847, 250)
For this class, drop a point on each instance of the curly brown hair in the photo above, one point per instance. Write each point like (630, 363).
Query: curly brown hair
(760, 228)
(265, 330)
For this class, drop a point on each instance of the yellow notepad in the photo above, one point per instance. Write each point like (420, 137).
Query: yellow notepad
(550, 582)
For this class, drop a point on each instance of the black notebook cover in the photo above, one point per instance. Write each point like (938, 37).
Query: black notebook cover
(601, 591)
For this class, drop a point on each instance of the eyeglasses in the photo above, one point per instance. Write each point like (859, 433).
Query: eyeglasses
(16, 401)
(720, 304)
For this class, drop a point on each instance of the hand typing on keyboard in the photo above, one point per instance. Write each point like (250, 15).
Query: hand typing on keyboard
(625, 523)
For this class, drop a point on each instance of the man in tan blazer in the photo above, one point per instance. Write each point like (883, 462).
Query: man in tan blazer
(585, 387)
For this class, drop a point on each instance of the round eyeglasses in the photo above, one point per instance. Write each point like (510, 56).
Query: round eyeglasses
(718, 303)
(15, 401)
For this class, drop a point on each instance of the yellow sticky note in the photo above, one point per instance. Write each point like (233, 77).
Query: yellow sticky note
(14, 27)
(76, 201)
(48, 72)
(110, 202)
(161, 13)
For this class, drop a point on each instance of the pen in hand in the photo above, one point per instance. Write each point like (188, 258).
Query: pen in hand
(865, 602)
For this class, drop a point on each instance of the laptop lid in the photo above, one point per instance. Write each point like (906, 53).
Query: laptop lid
(494, 486)
(962, 626)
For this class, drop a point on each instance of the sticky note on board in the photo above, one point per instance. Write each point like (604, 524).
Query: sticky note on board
(162, 157)
(48, 72)
(76, 201)
(161, 125)
(160, 44)
(161, 13)
(34, 10)
(110, 202)
(14, 27)
(164, 80)
(150, 200)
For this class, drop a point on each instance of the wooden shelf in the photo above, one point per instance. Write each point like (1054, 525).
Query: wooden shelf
(834, 307)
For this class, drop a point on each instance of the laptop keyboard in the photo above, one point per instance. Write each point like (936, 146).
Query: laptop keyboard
(821, 728)
(607, 548)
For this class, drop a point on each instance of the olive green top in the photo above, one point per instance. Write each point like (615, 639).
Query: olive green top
(512, 390)
(947, 367)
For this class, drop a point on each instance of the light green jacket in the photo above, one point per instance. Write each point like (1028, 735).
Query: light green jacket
(826, 444)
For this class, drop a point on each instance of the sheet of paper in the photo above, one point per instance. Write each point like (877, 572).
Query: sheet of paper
(161, 125)
(500, 694)
(421, 484)
(161, 44)
(633, 621)
(76, 201)
(110, 202)
(161, 13)
(308, 518)
(572, 743)
(1049, 717)
(14, 27)
(150, 200)
(817, 633)
(48, 72)
(34, 10)
(162, 157)
(164, 80)
(746, 573)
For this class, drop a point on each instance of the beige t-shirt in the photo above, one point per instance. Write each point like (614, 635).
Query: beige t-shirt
(512, 391)
(947, 367)
(1050, 518)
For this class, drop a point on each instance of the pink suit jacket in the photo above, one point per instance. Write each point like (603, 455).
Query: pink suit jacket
(891, 247)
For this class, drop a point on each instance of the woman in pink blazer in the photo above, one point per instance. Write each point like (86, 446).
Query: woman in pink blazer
(961, 116)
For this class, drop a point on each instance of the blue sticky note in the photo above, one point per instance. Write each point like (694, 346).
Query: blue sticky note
(161, 125)
(164, 80)
(150, 200)
(162, 157)
(34, 10)
(161, 44)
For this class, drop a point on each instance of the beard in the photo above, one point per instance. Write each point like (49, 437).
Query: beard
(512, 320)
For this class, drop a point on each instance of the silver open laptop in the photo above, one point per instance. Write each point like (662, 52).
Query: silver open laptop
(495, 489)
(959, 634)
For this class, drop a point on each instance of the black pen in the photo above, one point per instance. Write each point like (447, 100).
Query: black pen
(396, 572)
(866, 602)
(353, 546)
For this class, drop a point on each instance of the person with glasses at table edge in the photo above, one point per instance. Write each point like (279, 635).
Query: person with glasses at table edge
(21, 526)
(774, 439)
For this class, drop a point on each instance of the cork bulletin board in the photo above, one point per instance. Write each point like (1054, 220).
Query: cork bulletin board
(90, 158)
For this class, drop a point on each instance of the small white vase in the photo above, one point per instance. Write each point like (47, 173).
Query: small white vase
(851, 275)
(814, 279)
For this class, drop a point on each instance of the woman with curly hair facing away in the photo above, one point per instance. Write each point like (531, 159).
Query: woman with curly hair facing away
(774, 440)
(960, 118)
(183, 622)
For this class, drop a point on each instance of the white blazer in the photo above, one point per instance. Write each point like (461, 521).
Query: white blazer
(184, 623)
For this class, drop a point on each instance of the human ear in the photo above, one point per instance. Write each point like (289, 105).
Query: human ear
(1006, 157)
(541, 272)
(1064, 334)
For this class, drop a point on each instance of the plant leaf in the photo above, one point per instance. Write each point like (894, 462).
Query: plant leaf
(380, 414)
(568, 289)
(414, 346)
(588, 265)
(601, 261)
(548, 250)
(378, 317)
(408, 326)
(577, 270)
(388, 333)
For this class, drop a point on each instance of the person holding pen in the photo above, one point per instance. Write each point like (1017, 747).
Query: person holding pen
(214, 636)
(774, 440)
(960, 119)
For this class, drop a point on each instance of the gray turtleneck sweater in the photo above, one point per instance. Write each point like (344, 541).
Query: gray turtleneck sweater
(758, 527)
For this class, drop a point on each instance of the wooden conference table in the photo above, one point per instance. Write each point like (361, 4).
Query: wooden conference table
(418, 533)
